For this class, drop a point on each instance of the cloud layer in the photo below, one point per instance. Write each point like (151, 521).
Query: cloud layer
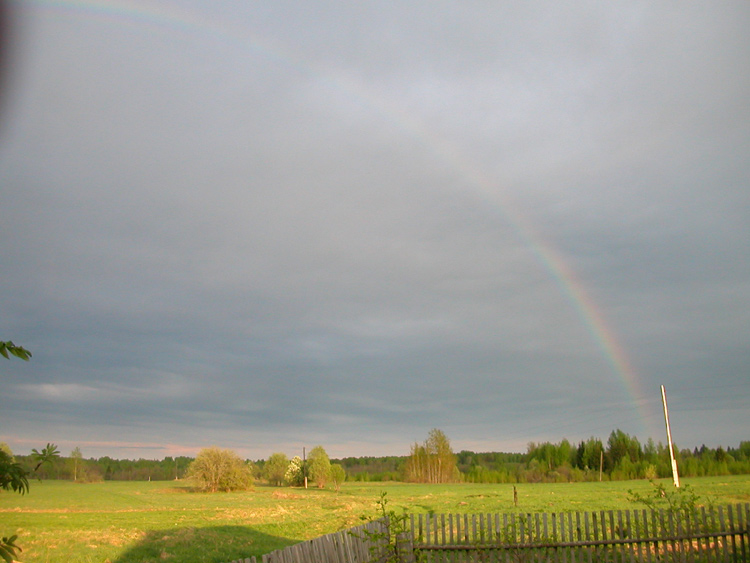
(265, 227)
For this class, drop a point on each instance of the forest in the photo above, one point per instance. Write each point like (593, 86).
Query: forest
(620, 457)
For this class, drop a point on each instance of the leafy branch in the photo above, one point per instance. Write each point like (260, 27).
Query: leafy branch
(48, 454)
(9, 549)
(13, 476)
(8, 349)
(683, 500)
(386, 542)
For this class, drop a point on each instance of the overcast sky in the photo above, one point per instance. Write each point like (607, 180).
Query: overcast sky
(269, 225)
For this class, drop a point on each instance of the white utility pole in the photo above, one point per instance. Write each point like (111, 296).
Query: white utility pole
(675, 475)
(304, 466)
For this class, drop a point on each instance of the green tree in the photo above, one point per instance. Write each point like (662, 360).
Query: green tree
(275, 468)
(319, 466)
(76, 457)
(215, 470)
(589, 454)
(433, 461)
(295, 475)
(338, 475)
(621, 445)
(564, 454)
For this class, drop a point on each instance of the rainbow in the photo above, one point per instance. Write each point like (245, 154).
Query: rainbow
(170, 17)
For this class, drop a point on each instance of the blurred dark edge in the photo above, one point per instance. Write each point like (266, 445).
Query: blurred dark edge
(6, 52)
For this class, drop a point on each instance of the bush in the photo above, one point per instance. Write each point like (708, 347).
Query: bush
(319, 466)
(215, 470)
(275, 469)
(338, 475)
(295, 473)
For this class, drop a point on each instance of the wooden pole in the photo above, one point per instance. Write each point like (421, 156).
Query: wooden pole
(304, 466)
(675, 475)
(601, 464)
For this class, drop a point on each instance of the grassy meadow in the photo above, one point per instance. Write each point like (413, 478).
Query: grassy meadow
(128, 522)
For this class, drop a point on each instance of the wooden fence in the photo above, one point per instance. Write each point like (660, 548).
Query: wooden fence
(716, 535)
(362, 544)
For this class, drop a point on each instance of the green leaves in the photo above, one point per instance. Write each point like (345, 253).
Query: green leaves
(683, 500)
(319, 466)
(47, 455)
(12, 475)
(8, 349)
(384, 541)
(215, 470)
(9, 549)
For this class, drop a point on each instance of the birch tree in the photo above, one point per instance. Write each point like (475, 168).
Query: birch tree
(77, 457)
(433, 461)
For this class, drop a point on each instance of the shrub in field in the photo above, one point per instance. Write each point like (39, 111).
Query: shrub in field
(295, 473)
(275, 469)
(338, 475)
(319, 466)
(215, 470)
(682, 501)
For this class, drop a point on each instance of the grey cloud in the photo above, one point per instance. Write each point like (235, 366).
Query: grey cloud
(267, 225)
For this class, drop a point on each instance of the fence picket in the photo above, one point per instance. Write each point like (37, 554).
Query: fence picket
(430, 528)
(412, 525)
(695, 528)
(743, 525)
(436, 529)
(721, 524)
(574, 553)
(715, 541)
(706, 524)
(730, 516)
(625, 533)
(537, 527)
(667, 523)
(684, 530)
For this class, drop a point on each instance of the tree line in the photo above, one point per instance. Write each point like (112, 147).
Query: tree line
(84, 470)
(620, 457)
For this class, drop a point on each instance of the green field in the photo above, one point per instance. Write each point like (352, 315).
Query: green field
(121, 522)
